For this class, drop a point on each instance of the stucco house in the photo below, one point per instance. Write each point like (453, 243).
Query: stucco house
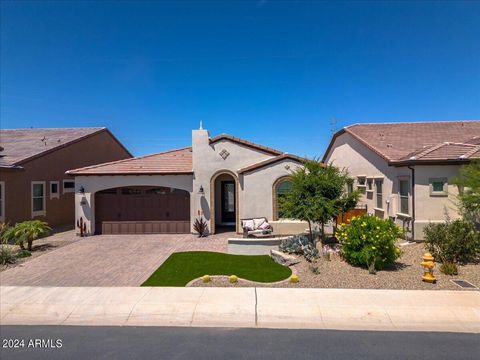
(33, 183)
(405, 170)
(223, 179)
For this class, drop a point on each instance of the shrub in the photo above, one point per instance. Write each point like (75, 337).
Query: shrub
(370, 241)
(200, 226)
(449, 268)
(23, 254)
(6, 255)
(300, 245)
(26, 232)
(453, 241)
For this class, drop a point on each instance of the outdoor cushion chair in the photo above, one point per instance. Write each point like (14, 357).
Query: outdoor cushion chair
(256, 226)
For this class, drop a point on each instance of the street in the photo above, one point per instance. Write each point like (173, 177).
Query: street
(101, 342)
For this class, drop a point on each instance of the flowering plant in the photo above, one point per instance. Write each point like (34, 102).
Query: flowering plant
(369, 240)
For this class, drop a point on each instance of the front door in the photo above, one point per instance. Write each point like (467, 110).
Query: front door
(228, 202)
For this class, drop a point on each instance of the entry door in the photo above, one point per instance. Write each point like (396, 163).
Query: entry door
(228, 202)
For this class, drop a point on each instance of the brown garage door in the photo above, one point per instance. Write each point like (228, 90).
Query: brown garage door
(140, 210)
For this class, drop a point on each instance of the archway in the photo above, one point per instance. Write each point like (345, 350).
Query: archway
(281, 186)
(224, 200)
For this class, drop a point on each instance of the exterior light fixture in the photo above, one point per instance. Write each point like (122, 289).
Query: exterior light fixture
(81, 190)
(201, 191)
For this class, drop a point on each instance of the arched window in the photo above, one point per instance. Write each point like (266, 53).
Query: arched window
(281, 187)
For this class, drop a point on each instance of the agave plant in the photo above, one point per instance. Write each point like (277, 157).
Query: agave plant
(26, 232)
(200, 226)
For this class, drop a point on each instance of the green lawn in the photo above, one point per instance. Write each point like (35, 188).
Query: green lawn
(180, 268)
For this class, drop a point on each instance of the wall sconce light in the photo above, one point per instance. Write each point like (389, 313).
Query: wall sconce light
(201, 191)
(81, 190)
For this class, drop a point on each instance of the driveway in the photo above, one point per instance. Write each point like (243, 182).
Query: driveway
(107, 260)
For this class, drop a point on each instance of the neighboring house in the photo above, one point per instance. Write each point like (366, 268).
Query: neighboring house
(33, 183)
(405, 170)
(223, 178)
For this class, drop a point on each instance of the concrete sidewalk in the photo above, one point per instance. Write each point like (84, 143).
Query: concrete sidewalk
(395, 310)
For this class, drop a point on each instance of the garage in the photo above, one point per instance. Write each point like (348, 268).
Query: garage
(142, 210)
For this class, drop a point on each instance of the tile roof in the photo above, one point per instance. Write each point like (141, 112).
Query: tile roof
(417, 141)
(20, 145)
(246, 143)
(177, 161)
(271, 161)
(169, 162)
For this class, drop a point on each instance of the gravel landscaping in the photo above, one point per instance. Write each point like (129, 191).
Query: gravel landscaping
(43, 246)
(406, 274)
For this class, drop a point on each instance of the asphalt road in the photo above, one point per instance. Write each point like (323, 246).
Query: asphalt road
(84, 342)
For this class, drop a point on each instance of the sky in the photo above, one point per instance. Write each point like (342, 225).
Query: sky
(280, 73)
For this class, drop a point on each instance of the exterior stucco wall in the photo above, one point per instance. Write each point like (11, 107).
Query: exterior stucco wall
(257, 195)
(207, 162)
(93, 184)
(350, 154)
(430, 208)
(347, 152)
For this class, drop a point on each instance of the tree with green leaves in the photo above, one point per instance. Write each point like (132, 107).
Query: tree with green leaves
(469, 191)
(318, 194)
(26, 232)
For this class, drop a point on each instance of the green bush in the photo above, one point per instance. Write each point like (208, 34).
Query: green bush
(370, 241)
(453, 241)
(449, 268)
(26, 232)
(23, 254)
(6, 255)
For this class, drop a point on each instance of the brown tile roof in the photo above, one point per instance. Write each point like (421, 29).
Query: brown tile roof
(418, 141)
(271, 161)
(177, 161)
(171, 162)
(246, 143)
(21, 145)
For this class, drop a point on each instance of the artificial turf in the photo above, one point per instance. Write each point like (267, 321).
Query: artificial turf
(180, 268)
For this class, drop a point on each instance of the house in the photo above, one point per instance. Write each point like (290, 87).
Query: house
(33, 183)
(223, 179)
(405, 170)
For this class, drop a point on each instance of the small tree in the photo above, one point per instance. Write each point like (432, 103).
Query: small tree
(469, 188)
(26, 232)
(319, 193)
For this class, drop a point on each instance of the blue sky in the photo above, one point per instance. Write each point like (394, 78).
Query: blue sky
(268, 71)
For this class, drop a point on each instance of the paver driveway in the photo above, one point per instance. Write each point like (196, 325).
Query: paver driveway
(108, 260)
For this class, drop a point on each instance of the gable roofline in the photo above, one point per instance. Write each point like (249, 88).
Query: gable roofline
(347, 129)
(80, 171)
(247, 143)
(273, 160)
(68, 143)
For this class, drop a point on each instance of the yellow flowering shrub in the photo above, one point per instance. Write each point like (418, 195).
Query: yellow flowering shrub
(369, 241)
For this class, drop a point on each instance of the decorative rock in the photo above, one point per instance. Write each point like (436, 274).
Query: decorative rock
(283, 259)
(294, 279)
(206, 278)
(233, 278)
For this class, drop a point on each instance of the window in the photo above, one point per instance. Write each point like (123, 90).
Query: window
(281, 188)
(361, 184)
(54, 189)
(403, 191)
(438, 187)
(379, 190)
(369, 184)
(68, 186)
(350, 187)
(38, 198)
(2, 201)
